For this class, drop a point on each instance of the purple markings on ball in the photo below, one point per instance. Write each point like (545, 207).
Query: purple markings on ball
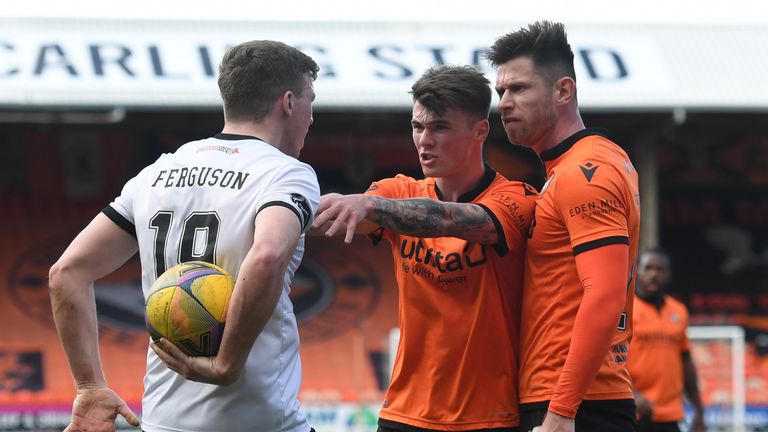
(196, 274)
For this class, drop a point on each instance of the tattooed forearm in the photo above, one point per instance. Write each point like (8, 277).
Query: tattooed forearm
(423, 217)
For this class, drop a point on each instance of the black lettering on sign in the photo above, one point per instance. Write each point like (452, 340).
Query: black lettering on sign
(603, 64)
(205, 59)
(317, 52)
(157, 64)
(119, 56)
(438, 54)
(379, 53)
(11, 70)
(59, 60)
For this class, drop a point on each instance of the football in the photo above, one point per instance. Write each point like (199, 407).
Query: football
(188, 306)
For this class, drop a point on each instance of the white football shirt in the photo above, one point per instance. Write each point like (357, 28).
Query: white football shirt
(200, 203)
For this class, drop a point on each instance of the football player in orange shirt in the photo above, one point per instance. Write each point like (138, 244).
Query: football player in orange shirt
(661, 365)
(582, 248)
(456, 367)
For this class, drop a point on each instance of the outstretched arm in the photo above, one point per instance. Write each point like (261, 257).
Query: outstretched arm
(101, 248)
(420, 217)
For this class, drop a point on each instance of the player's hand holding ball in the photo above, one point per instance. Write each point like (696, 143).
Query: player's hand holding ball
(186, 309)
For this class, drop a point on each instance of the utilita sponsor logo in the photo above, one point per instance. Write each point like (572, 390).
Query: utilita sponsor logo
(451, 262)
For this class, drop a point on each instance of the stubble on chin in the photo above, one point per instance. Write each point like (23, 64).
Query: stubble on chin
(515, 139)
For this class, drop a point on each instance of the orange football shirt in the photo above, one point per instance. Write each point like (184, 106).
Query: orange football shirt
(456, 364)
(590, 200)
(656, 356)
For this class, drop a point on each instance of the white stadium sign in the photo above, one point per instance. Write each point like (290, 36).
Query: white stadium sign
(92, 63)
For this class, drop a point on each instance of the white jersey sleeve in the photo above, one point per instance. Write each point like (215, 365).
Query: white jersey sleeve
(295, 188)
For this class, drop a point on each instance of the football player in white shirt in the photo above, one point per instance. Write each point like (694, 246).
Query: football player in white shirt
(240, 200)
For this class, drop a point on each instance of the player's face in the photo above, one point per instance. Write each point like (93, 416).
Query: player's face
(526, 103)
(302, 117)
(652, 275)
(446, 143)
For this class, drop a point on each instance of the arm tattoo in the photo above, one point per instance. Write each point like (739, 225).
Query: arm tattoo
(424, 217)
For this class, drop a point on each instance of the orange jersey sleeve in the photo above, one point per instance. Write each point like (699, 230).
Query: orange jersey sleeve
(603, 276)
(593, 203)
(511, 209)
(395, 187)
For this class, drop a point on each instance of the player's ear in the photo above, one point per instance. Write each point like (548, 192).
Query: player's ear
(286, 102)
(565, 90)
(482, 128)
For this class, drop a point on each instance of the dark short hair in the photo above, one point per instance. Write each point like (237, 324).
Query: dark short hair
(252, 75)
(462, 88)
(545, 42)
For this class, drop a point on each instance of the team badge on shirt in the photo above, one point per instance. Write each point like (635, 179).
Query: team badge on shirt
(303, 206)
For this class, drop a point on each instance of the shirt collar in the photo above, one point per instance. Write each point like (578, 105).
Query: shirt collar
(235, 137)
(473, 193)
(560, 149)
